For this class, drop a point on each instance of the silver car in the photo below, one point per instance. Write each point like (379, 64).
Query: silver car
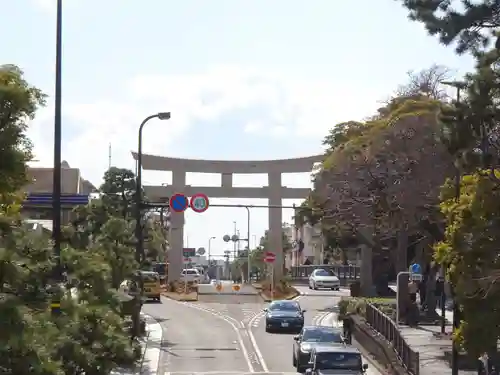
(322, 278)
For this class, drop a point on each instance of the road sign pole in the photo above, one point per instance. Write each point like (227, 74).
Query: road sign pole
(272, 281)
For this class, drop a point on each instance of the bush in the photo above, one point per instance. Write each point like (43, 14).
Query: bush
(351, 305)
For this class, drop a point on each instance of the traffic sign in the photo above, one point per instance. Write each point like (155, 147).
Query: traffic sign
(178, 203)
(187, 260)
(189, 252)
(415, 268)
(199, 203)
(269, 257)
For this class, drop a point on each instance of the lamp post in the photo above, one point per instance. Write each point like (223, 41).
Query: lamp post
(235, 238)
(56, 174)
(458, 85)
(210, 249)
(139, 251)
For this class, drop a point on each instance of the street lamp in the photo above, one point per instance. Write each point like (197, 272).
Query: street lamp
(56, 173)
(138, 189)
(210, 248)
(459, 85)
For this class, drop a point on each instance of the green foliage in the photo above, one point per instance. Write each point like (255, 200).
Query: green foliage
(354, 305)
(471, 24)
(89, 336)
(470, 254)
(19, 102)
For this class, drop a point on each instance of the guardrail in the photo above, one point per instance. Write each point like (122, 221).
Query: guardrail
(387, 328)
(346, 274)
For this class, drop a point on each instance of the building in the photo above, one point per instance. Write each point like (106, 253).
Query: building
(74, 188)
(308, 245)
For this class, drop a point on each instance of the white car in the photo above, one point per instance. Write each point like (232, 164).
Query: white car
(324, 278)
(191, 275)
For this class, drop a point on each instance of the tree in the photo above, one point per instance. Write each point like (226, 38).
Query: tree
(19, 102)
(426, 82)
(379, 184)
(469, 253)
(89, 335)
(471, 24)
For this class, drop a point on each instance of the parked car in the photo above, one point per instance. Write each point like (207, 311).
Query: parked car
(284, 315)
(322, 278)
(191, 275)
(335, 359)
(309, 337)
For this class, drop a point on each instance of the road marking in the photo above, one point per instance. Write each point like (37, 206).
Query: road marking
(254, 322)
(317, 319)
(231, 322)
(254, 342)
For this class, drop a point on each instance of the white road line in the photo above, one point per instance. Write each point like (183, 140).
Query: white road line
(254, 322)
(230, 321)
(254, 342)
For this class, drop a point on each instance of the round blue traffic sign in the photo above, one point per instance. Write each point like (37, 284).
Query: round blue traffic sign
(415, 268)
(199, 203)
(178, 202)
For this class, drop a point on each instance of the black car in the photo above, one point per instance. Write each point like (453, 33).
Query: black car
(284, 316)
(335, 359)
(309, 337)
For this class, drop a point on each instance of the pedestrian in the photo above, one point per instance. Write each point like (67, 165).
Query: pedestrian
(483, 364)
(412, 290)
(347, 325)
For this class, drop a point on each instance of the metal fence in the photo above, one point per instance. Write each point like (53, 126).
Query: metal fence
(387, 328)
(346, 274)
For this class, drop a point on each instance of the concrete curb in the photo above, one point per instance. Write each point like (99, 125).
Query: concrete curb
(151, 357)
(291, 296)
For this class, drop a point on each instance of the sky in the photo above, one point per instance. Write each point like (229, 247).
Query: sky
(243, 80)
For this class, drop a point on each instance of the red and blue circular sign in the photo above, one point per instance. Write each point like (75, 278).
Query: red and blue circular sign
(178, 203)
(199, 203)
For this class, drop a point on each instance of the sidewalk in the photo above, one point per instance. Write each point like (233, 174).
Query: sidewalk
(151, 346)
(430, 348)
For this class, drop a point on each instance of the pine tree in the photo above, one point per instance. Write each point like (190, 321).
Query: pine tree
(471, 24)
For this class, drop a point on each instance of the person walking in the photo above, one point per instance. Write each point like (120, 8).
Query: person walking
(347, 325)
(413, 290)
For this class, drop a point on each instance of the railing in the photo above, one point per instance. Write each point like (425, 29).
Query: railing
(387, 328)
(300, 274)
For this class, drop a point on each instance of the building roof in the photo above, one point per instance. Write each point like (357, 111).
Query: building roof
(71, 181)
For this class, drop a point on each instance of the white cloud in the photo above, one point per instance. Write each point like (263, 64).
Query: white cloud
(253, 127)
(51, 5)
(286, 106)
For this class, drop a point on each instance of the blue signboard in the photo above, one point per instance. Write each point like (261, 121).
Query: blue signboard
(45, 199)
(415, 268)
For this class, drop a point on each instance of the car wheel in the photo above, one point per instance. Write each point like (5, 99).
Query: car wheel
(315, 287)
(299, 368)
(294, 361)
(310, 287)
(337, 288)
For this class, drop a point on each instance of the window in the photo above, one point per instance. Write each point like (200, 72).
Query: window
(286, 306)
(322, 335)
(339, 360)
(323, 272)
(191, 272)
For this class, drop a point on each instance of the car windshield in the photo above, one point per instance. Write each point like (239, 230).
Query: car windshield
(321, 335)
(338, 360)
(325, 273)
(284, 306)
(192, 272)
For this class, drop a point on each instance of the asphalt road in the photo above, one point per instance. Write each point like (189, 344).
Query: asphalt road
(227, 336)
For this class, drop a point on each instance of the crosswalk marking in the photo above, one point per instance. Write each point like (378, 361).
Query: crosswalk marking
(228, 373)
